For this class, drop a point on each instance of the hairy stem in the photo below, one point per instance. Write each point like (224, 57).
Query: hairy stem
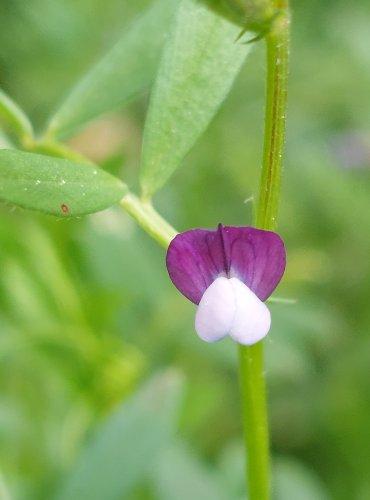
(251, 362)
(277, 51)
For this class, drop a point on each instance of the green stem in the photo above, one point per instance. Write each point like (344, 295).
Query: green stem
(149, 219)
(277, 52)
(58, 150)
(14, 116)
(252, 382)
(251, 362)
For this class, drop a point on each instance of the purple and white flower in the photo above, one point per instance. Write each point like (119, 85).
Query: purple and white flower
(228, 273)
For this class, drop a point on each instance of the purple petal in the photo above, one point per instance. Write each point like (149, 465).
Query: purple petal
(256, 257)
(194, 260)
(197, 257)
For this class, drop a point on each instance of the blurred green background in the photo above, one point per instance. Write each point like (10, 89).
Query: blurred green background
(87, 312)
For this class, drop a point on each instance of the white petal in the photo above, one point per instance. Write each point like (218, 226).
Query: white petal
(216, 311)
(252, 319)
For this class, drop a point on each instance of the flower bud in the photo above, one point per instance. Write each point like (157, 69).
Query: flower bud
(256, 16)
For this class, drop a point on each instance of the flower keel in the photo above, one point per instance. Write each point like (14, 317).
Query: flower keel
(228, 307)
(252, 318)
(216, 311)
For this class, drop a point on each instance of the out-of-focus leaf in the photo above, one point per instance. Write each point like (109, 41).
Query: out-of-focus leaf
(292, 480)
(180, 475)
(5, 142)
(126, 445)
(124, 72)
(56, 186)
(4, 491)
(200, 62)
(12, 114)
(231, 467)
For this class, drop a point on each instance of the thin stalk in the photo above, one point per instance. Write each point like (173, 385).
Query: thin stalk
(252, 382)
(251, 361)
(58, 150)
(149, 219)
(277, 52)
(16, 118)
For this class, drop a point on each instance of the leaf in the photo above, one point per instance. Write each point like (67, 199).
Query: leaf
(126, 445)
(291, 479)
(180, 475)
(56, 186)
(200, 62)
(4, 491)
(11, 112)
(5, 142)
(124, 72)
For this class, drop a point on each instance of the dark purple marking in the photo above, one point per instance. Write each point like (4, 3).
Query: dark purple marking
(197, 257)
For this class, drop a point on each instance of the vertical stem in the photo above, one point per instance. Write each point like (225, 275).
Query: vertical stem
(253, 391)
(252, 380)
(277, 52)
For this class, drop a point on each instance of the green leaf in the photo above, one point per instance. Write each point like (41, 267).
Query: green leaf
(124, 72)
(5, 142)
(291, 479)
(15, 117)
(126, 445)
(180, 475)
(200, 62)
(56, 186)
(4, 491)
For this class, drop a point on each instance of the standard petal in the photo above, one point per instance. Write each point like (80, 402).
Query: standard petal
(216, 311)
(256, 257)
(197, 257)
(252, 319)
(194, 260)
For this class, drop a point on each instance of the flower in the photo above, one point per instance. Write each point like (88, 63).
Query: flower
(229, 273)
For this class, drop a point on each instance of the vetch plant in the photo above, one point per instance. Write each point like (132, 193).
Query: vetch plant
(229, 272)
